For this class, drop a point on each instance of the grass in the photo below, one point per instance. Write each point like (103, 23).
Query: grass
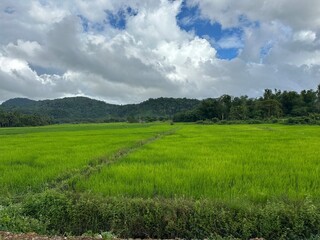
(228, 163)
(32, 157)
(137, 180)
(255, 162)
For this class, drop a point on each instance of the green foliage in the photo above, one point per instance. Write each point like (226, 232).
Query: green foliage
(12, 219)
(81, 109)
(311, 120)
(62, 110)
(187, 116)
(174, 218)
(271, 105)
(16, 119)
(52, 209)
(108, 235)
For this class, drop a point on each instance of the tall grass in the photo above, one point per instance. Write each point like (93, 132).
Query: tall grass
(31, 157)
(232, 163)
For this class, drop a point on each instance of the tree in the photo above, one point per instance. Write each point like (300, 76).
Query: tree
(267, 94)
(291, 102)
(224, 106)
(239, 109)
(318, 99)
(271, 108)
(239, 112)
(208, 109)
(3, 119)
(309, 98)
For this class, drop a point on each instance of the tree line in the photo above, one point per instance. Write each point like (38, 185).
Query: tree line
(303, 107)
(272, 105)
(17, 119)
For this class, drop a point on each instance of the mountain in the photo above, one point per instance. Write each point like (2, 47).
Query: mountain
(18, 102)
(160, 107)
(80, 109)
(76, 108)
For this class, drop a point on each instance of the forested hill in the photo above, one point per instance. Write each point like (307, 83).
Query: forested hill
(83, 109)
(61, 110)
(18, 102)
(303, 107)
(158, 108)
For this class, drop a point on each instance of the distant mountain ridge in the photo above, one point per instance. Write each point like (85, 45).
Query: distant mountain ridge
(18, 102)
(78, 109)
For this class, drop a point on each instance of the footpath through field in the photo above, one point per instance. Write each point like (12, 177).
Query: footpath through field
(38, 158)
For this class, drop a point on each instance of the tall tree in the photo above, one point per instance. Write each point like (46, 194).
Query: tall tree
(239, 109)
(224, 106)
(318, 99)
(271, 108)
(267, 94)
(291, 103)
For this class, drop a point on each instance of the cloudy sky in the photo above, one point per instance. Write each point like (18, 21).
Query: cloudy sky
(128, 51)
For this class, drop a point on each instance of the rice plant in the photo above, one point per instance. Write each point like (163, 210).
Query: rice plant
(232, 163)
(31, 157)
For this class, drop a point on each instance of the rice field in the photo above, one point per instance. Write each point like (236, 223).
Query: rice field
(162, 181)
(32, 157)
(220, 162)
(223, 162)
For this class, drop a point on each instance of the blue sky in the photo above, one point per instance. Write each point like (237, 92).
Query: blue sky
(189, 19)
(127, 51)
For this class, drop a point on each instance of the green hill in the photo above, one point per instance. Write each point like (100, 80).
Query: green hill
(83, 109)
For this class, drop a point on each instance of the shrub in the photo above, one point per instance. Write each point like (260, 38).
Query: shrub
(174, 218)
(12, 219)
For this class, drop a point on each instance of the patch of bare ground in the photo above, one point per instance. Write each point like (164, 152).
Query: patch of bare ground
(34, 236)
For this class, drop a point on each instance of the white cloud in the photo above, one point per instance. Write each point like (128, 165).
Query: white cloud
(45, 52)
(305, 36)
(17, 78)
(299, 15)
(46, 14)
(230, 42)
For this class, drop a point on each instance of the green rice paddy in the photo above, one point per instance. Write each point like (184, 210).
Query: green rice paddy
(222, 162)
(232, 163)
(32, 157)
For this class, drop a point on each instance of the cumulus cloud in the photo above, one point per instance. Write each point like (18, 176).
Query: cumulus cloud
(299, 15)
(52, 49)
(305, 36)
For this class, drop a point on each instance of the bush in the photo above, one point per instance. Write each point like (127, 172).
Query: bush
(52, 209)
(301, 120)
(255, 121)
(215, 119)
(12, 219)
(174, 218)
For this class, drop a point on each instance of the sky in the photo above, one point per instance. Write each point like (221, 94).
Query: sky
(128, 51)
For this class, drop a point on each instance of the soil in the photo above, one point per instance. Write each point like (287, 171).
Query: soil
(34, 236)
